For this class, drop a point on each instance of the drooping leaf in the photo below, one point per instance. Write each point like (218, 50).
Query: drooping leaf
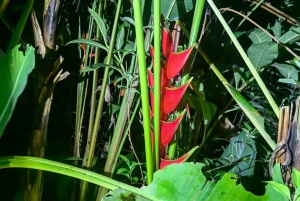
(256, 119)
(14, 70)
(168, 129)
(287, 70)
(175, 62)
(88, 42)
(101, 25)
(166, 42)
(289, 81)
(240, 148)
(172, 97)
(291, 36)
(262, 54)
(258, 36)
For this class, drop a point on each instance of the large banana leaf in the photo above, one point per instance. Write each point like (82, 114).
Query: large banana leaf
(14, 70)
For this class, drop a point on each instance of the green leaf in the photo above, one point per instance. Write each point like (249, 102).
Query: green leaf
(281, 188)
(256, 119)
(296, 177)
(289, 81)
(262, 54)
(287, 70)
(205, 107)
(297, 193)
(291, 36)
(14, 70)
(101, 25)
(125, 160)
(180, 8)
(276, 174)
(120, 37)
(128, 19)
(240, 147)
(227, 189)
(124, 172)
(258, 36)
(88, 42)
(277, 29)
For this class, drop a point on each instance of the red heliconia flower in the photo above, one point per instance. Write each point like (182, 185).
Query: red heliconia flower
(170, 96)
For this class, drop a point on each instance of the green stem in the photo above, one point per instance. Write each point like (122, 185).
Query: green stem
(20, 26)
(198, 12)
(144, 86)
(246, 59)
(156, 113)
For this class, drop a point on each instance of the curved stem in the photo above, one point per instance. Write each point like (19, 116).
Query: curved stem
(246, 59)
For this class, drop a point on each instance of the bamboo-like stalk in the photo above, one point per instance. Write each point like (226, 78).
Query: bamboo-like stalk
(245, 58)
(84, 184)
(144, 86)
(156, 113)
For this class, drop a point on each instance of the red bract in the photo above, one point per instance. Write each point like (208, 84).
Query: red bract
(170, 95)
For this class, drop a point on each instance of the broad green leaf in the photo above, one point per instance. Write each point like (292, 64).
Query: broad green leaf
(240, 147)
(291, 36)
(280, 188)
(101, 25)
(120, 37)
(238, 75)
(296, 177)
(227, 189)
(14, 70)
(262, 54)
(88, 42)
(287, 70)
(256, 119)
(180, 8)
(289, 81)
(258, 36)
